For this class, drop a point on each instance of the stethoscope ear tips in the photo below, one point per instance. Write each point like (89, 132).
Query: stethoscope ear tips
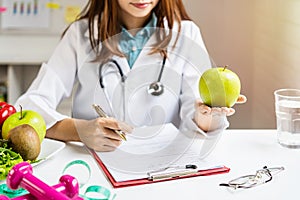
(155, 88)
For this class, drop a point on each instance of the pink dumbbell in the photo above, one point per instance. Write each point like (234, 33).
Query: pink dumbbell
(21, 176)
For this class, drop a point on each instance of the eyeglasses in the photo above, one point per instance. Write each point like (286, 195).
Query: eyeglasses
(248, 181)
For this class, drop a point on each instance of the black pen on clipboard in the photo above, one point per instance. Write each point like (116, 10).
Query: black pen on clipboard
(101, 113)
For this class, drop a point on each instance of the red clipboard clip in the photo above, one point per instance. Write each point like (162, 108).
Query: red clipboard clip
(163, 177)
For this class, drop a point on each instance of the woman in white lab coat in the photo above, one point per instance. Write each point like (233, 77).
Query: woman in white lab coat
(110, 56)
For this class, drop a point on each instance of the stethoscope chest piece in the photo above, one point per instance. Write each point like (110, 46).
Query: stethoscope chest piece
(155, 88)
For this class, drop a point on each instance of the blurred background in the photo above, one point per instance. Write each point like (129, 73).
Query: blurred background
(258, 39)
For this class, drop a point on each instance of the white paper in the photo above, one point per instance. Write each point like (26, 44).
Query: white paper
(150, 149)
(22, 14)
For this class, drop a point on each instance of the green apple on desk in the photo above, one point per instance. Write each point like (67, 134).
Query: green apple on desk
(30, 117)
(219, 87)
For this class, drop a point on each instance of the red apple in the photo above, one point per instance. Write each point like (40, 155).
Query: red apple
(5, 111)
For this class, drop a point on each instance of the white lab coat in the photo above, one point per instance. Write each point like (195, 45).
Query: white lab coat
(71, 65)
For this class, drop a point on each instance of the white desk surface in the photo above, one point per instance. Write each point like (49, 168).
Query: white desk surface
(244, 151)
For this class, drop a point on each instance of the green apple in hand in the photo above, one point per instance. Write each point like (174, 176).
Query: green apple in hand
(219, 87)
(30, 117)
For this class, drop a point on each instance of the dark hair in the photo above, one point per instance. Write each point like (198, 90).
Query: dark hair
(103, 14)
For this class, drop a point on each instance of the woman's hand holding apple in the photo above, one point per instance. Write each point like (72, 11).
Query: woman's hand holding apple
(206, 116)
(219, 89)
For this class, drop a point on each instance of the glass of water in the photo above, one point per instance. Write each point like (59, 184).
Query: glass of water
(287, 108)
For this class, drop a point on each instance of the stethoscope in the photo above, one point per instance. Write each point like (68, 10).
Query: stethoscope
(156, 88)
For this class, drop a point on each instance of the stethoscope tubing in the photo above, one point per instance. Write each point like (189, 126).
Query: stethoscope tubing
(155, 88)
(115, 64)
(121, 71)
(162, 69)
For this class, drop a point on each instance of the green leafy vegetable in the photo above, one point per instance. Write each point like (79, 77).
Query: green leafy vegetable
(8, 159)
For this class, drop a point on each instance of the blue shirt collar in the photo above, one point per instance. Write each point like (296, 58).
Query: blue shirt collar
(131, 45)
(146, 31)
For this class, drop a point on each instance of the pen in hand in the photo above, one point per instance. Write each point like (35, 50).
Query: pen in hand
(101, 113)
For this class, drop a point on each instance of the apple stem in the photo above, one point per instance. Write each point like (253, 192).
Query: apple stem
(21, 112)
(225, 67)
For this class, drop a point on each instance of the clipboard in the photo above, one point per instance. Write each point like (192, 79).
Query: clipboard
(207, 172)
